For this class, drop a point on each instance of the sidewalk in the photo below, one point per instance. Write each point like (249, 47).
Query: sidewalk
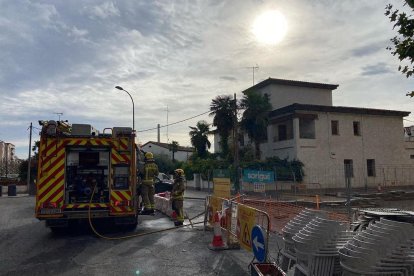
(191, 193)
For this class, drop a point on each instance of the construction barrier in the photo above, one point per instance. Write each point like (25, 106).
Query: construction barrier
(281, 213)
(237, 221)
(163, 204)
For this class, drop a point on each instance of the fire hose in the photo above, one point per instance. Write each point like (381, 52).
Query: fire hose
(137, 234)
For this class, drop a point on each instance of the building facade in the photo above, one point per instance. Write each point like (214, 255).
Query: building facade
(305, 126)
(7, 158)
(158, 148)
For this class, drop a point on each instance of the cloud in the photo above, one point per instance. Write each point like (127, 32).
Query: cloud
(377, 69)
(367, 50)
(228, 78)
(67, 56)
(103, 11)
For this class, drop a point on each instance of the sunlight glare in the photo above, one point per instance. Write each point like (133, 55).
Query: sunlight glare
(270, 27)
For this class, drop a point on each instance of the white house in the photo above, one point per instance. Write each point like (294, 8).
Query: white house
(158, 148)
(304, 125)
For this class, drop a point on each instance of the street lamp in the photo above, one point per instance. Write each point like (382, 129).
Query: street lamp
(133, 107)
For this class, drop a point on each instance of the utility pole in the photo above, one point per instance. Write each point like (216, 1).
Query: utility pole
(168, 140)
(253, 68)
(29, 158)
(236, 145)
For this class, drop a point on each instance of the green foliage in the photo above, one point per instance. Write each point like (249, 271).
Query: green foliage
(199, 138)
(255, 117)
(403, 43)
(23, 169)
(246, 153)
(284, 169)
(165, 164)
(188, 170)
(223, 109)
(204, 166)
(174, 148)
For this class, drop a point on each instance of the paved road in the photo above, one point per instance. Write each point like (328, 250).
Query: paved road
(27, 247)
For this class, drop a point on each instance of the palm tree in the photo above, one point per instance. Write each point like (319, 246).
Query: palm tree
(199, 138)
(174, 148)
(222, 108)
(255, 117)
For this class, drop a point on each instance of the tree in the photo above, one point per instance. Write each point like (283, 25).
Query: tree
(33, 164)
(199, 138)
(165, 164)
(403, 43)
(174, 148)
(255, 117)
(222, 108)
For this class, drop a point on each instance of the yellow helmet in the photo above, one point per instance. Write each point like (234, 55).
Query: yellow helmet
(149, 155)
(179, 172)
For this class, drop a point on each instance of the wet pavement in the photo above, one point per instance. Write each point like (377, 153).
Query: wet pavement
(27, 247)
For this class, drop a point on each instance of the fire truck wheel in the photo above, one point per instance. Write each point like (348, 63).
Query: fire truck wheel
(133, 225)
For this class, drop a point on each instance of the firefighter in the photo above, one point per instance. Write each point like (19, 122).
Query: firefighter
(177, 196)
(147, 189)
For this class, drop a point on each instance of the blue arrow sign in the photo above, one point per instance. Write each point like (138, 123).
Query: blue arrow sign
(258, 243)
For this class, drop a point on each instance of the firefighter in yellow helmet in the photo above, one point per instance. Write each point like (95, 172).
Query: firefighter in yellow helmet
(148, 190)
(177, 196)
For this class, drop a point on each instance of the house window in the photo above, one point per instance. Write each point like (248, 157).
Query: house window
(335, 127)
(348, 168)
(306, 128)
(371, 167)
(412, 156)
(357, 129)
(282, 132)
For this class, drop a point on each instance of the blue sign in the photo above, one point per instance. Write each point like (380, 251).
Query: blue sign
(258, 243)
(258, 176)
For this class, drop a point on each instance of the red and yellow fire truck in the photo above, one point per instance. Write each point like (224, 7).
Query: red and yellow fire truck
(83, 173)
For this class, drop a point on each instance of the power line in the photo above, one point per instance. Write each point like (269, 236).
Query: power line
(408, 120)
(143, 130)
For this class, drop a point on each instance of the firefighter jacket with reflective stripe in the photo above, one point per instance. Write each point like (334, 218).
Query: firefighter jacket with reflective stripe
(178, 189)
(150, 171)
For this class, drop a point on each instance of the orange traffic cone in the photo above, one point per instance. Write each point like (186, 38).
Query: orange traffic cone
(217, 243)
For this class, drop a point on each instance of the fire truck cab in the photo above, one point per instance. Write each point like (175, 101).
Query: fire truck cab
(83, 173)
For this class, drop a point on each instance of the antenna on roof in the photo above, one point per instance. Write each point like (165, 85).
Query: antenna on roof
(253, 68)
(59, 114)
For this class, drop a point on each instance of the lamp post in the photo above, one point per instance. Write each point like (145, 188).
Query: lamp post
(133, 107)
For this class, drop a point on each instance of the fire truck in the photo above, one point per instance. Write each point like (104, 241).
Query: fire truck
(83, 173)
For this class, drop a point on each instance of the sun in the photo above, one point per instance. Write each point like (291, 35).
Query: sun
(270, 27)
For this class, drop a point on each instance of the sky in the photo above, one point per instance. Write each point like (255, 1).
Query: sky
(174, 57)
